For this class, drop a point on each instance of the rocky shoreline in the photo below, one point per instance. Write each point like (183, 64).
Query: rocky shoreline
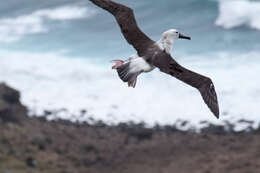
(30, 144)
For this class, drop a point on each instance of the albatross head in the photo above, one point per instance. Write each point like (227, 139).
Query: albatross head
(174, 34)
(166, 41)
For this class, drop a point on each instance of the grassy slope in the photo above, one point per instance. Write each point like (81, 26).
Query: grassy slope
(63, 147)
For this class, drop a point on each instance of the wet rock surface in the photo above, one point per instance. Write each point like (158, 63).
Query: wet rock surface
(37, 145)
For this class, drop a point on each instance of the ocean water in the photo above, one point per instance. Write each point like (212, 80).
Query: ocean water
(58, 53)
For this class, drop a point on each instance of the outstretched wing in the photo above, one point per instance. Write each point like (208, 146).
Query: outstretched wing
(204, 84)
(126, 20)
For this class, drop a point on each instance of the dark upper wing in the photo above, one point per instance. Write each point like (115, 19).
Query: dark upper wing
(126, 20)
(204, 84)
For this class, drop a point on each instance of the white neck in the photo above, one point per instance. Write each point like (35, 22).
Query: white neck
(166, 43)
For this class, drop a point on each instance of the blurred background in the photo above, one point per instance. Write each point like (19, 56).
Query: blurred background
(58, 53)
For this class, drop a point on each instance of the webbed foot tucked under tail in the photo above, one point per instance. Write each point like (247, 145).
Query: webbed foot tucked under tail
(125, 72)
(132, 83)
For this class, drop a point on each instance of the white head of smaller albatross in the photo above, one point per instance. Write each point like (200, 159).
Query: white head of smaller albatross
(166, 41)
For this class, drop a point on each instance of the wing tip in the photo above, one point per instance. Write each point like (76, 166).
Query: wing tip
(215, 112)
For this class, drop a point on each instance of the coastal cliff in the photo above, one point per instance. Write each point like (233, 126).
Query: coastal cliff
(30, 144)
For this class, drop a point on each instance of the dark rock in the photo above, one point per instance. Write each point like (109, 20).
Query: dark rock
(170, 129)
(5, 141)
(11, 110)
(100, 124)
(83, 112)
(59, 151)
(9, 95)
(31, 162)
(42, 119)
(143, 134)
(42, 142)
(48, 140)
(47, 113)
(214, 129)
(90, 148)
(138, 131)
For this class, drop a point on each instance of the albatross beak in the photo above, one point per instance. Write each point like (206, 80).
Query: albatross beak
(184, 37)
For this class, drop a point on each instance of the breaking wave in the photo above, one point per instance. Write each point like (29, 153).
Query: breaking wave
(53, 82)
(235, 13)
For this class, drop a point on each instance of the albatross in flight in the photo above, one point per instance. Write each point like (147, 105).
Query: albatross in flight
(151, 54)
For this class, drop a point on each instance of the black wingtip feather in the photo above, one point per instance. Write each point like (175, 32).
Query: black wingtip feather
(210, 97)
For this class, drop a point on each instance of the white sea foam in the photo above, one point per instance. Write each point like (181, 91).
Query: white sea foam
(14, 29)
(51, 81)
(235, 13)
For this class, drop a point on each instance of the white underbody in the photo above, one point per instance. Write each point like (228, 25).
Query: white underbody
(138, 64)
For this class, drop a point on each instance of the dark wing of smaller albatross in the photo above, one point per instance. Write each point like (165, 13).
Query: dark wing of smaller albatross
(204, 84)
(126, 20)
